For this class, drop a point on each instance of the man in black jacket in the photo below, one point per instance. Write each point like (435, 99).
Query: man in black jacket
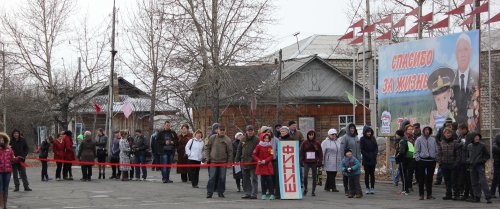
(139, 148)
(21, 149)
(496, 166)
(165, 144)
(477, 157)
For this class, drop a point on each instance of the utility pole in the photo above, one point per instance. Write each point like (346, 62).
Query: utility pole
(111, 77)
(371, 75)
(278, 100)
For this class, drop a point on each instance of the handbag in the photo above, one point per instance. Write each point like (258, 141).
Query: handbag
(190, 146)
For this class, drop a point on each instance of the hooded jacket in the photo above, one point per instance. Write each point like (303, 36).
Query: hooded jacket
(369, 149)
(477, 153)
(496, 150)
(310, 151)
(351, 142)
(264, 152)
(426, 147)
(6, 156)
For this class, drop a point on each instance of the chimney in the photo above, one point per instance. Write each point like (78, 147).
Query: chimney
(116, 88)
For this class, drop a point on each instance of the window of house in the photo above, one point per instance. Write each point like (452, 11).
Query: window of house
(344, 120)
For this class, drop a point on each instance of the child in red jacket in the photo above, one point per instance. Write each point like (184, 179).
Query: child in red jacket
(264, 154)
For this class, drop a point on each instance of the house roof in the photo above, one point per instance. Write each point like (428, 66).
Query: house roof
(261, 80)
(139, 100)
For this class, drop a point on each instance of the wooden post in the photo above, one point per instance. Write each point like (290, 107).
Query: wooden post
(387, 151)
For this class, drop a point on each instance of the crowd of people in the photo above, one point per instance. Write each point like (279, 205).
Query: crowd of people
(459, 153)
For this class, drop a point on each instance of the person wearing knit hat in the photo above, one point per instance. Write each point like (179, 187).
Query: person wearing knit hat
(5, 167)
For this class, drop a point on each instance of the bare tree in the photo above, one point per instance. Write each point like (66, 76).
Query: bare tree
(150, 48)
(37, 28)
(218, 33)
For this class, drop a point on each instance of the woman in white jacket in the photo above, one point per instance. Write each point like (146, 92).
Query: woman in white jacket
(332, 159)
(194, 153)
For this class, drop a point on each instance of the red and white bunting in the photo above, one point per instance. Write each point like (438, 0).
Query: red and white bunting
(358, 40)
(348, 35)
(358, 24)
(456, 11)
(413, 30)
(441, 24)
(495, 18)
(400, 23)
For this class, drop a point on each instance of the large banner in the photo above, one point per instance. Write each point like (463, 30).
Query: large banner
(289, 170)
(428, 81)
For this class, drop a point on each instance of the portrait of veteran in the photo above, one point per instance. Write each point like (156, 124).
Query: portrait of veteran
(465, 99)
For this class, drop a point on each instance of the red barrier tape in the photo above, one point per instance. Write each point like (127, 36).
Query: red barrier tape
(145, 165)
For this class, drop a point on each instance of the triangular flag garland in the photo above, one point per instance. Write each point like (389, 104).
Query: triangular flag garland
(401, 23)
(467, 2)
(348, 35)
(358, 24)
(425, 18)
(480, 9)
(384, 36)
(368, 29)
(413, 30)
(468, 21)
(495, 18)
(441, 24)
(456, 11)
(384, 20)
(358, 40)
(413, 12)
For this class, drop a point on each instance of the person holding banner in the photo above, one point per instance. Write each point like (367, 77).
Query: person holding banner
(331, 159)
(217, 150)
(311, 157)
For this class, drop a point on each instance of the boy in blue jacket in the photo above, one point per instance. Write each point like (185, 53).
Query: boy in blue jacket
(350, 167)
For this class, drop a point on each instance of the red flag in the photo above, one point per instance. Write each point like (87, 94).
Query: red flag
(467, 2)
(368, 28)
(387, 19)
(456, 11)
(360, 23)
(97, 106)
(425, 18)
(480, 9)
(401, 23)
(384, 36)
(348, 35)
(413, 30)
(440, 24)
(413, 12)
(496, 18)
(468, 21)
(358, 40)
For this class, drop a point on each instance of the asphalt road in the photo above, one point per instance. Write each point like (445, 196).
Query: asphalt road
(154, 194)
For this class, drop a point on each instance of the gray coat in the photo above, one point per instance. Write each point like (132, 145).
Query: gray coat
(352, 143)
(332, 155)
(87, 151)
(124, 154)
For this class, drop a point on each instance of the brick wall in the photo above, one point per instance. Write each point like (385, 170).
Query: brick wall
(485, 109)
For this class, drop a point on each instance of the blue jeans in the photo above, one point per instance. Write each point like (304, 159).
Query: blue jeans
(166, 159)
(140, 159)
(156, 160)
(4, 181)
(216, 174)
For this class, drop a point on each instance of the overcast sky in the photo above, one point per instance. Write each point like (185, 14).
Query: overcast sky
(308, 17)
